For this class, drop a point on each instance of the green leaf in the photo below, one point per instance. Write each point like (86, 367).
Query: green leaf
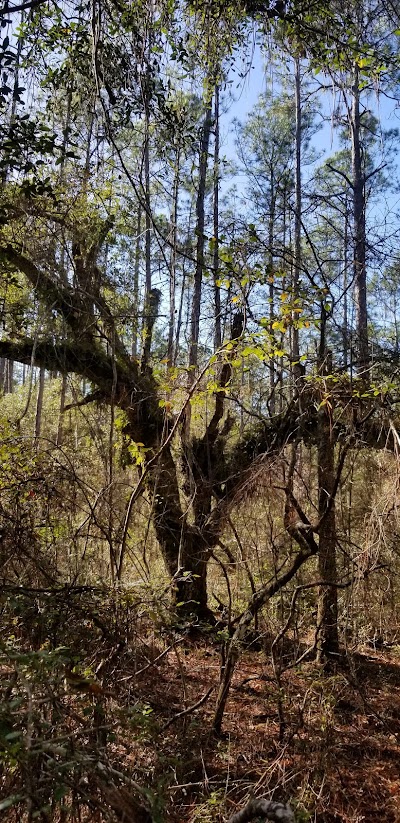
(12, 736)
(60, 792)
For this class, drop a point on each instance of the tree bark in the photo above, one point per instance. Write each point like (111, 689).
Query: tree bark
(217, 289)
(39, 405)
(295, 346)
(345, 333)
(360, 277)
(327, 628)
(146, 331)
(9, 376)
(172, 262)
(135, 295)
(271, 239)
(146, 93)
(200, 221)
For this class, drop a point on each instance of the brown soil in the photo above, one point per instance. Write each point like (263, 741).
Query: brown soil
(327, 743)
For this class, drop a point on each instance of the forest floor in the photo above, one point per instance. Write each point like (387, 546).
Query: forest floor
(328, 744)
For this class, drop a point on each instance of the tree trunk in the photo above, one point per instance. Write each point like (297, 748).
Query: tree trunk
(3, 363)
(217, 289)
(172, 262)
(184, 548)
(63, 271)
(200, 220)
(345, 333)
(360, 278)
(39, 404)
(9, 377)
(147, 297)
(295, 347)
(135, 295)
(63, 394)
(191, 598)
(328, 641)
(199, 269)
(271, 238)
(327, 629)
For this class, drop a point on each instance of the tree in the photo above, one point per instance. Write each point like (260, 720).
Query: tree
(93, 341)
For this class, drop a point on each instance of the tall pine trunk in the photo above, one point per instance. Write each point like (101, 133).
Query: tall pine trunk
(63, 388)
(172, 262)
(271, 240)
(200, 240)
(360, 278)
(39, 405)
(328, 641)
(135, 295)
(295, 347)
(217, 289)
(327, 627)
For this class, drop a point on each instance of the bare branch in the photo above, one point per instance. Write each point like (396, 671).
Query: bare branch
(189, 710)
(30, 4)
(341, 174)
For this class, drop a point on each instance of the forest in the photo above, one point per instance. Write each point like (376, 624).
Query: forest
(199, 411)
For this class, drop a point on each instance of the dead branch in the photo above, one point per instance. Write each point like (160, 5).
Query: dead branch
(189, 710)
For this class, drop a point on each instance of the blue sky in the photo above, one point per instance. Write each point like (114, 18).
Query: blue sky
(245, 92)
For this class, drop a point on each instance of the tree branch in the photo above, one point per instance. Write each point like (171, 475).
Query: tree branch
(30, 4)
(67, 357)
(57, 297)
(189, 710)
(308, 548)
(341, 173)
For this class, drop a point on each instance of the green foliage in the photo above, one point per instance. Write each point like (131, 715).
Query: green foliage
(99, 206)
(55, 740)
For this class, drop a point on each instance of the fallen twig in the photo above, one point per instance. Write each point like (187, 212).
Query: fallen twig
(189, 710)
(160, 657)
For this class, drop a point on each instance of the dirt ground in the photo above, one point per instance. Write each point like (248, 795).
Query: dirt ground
(328, 744)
